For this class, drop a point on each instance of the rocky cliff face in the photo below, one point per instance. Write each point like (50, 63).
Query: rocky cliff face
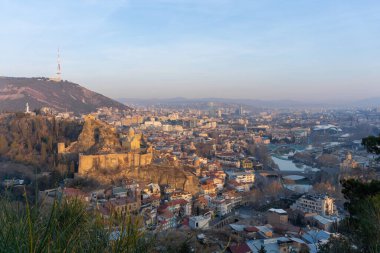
(96, 137)
(176, 177)
(173, 176)
(40, 92)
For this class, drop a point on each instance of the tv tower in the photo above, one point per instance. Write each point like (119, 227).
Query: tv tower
(58, 67)
(57, 77)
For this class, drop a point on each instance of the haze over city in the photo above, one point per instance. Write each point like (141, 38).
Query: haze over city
(190, 126)
(299, 50)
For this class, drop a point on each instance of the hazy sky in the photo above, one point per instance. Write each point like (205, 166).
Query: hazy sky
(266, 49)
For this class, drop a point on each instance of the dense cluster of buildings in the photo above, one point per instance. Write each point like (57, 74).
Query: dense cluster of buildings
(227, 149)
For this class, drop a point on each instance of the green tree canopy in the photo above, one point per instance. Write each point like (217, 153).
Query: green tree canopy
(372, 144)
(362, 227)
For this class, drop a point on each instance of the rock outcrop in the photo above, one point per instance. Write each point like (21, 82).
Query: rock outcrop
(97, 137)
(163, 175)
(176, 177)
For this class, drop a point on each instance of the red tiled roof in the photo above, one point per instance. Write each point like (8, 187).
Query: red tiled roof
(202, 199)
(251, 229)
(208, 186)
(162, 208)
(73, 192)
(177, 202)
(240, 248)
(167, 214)
(121, 201)
(185, 222)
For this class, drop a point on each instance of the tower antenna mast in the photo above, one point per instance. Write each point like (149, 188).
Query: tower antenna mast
(58, 66)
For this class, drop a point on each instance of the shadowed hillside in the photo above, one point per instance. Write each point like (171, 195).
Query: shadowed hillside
(33, 139)
(40, 92)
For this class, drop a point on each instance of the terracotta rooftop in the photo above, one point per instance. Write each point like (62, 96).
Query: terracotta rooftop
(240, 248)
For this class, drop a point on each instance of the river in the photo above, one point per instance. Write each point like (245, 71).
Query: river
(288, 165)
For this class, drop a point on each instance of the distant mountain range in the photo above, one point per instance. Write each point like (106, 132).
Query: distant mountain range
(183, 101)
(371, 102)
(15, 92)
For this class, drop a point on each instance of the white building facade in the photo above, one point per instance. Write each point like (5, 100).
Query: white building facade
(320, 204)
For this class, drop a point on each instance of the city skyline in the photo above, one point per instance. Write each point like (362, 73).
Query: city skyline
(272, 50)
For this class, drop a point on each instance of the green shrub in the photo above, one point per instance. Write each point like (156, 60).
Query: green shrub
(66, 226)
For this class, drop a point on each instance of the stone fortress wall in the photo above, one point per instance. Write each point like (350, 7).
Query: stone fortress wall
(99, 147)
(88, 163)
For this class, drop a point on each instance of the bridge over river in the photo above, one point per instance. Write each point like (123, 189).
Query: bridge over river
(285, 173)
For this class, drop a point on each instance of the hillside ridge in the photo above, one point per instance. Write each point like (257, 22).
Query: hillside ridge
(39, 92)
